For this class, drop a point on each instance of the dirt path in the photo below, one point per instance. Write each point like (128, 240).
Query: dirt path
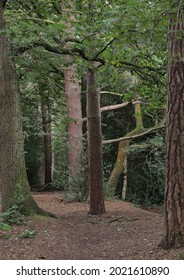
(124, 232)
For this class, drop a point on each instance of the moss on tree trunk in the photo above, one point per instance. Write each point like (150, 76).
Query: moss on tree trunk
(13, 177)
(123, 148)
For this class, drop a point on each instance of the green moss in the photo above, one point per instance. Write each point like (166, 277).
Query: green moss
(23, 204)
(138, 130)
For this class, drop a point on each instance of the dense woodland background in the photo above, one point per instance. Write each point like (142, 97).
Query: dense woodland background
(128, 37)
(93, 81)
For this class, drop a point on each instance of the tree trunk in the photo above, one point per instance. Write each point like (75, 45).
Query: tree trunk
(74, 111)
(174, 190)
(84, 103)
(123, 150)
(138, 115)
(13, 178)
(119, 165)
(125, 177)
(95, 161)
(72, 91)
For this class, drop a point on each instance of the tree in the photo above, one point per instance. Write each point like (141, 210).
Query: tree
(13, 178)
(95, 161)
(174, 186)
(73, 103)
(107, 33)
(123, 148)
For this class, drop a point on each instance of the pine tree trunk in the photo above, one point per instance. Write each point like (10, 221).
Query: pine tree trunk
(73, 102)
(84, 102)
(174, 190)
(13, 178)
(95, 160)
(72, 91)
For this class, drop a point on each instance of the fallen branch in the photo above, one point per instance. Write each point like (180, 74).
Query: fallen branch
(117, 219)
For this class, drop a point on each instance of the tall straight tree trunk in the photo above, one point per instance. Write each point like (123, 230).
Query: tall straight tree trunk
(84, 102)
(72, 91)
(174, 190)
(95, 160)
(74, 111)
(13, 177)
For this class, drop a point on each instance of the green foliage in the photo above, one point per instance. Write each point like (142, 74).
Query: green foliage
(180, 256)
(13, 216)
(146, 169)
(28, 233)
(19, 200)
(130, 36)
(60, 150)
(9, 236)
(72, 196)
(33, 156)
(17, 213)
(4, 226)
(77, 189)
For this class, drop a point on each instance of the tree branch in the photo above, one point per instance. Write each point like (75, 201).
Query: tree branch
(73, 51)
(139, 67)
(111, 92)
(114, 107)
(147, 131)
(79, 52)
(108, 44)
(117, 106)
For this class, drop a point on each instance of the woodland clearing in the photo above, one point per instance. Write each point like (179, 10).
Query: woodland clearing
(124, 232)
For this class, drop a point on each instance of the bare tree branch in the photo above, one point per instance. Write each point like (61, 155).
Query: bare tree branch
(147, 131)
(114, 107)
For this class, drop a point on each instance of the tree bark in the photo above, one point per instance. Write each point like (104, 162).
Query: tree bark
(95, 160)
(138, 115)
(123, 150)
(74, 111)
(119, 165)
(173, 236)
(72, 91)
(125, 181)
(13, 178)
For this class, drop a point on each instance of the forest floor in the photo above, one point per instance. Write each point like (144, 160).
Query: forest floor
(124, 232)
